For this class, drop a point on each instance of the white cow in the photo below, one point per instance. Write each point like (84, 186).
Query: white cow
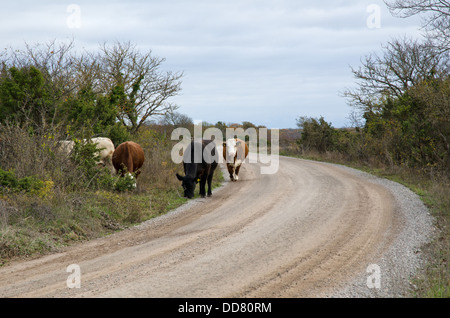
(105, 145)
(66, 146)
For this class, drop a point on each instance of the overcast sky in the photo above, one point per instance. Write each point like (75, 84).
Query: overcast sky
(267, 62)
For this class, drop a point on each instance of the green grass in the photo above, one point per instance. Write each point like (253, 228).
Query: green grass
(33, 226)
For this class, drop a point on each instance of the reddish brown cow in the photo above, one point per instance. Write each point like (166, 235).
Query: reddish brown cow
(128, 158)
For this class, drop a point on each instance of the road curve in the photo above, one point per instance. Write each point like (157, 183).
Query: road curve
(301, 232)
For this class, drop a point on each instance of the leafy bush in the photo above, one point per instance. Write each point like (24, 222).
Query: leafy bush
(413, 129)
(316, 134)
(125, 183)
(8, 180)
(25, 96)
(95, 113)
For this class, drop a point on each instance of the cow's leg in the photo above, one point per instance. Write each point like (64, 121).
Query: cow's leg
(202, 186)
(237, 172)
(231, 171)
(210, 177)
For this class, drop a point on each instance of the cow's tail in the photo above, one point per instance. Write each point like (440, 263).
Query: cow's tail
(128, 159)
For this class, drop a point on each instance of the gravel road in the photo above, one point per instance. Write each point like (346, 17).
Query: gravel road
(311, 230)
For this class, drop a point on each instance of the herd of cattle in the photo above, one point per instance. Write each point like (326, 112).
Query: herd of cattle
(200, 160)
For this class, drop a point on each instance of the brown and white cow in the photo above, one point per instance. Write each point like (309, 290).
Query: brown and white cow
(234, 152)
(128, 158)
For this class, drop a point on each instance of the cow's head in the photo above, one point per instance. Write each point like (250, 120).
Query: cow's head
(188, 184)
(231, 147)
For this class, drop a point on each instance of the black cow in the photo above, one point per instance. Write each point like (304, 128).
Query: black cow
(199, 161)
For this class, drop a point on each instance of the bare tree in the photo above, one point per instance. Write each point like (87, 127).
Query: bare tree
(436, 15)
(404, 63)
(176, 119)
(141, 87)
(54, 59)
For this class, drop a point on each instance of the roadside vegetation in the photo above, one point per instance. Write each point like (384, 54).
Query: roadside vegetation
(432, 186)
(48, 93)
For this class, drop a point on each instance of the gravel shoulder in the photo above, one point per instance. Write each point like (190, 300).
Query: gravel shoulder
(310, 230)
(400, 262)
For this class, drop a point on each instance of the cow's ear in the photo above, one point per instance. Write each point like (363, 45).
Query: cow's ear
(179, 177)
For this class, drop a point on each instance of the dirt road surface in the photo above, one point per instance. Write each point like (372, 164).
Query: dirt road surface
(301, 232)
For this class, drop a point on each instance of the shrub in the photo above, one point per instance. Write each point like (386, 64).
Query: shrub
(9, 181)
(125, 183)
(317, 134)
(25, 96)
